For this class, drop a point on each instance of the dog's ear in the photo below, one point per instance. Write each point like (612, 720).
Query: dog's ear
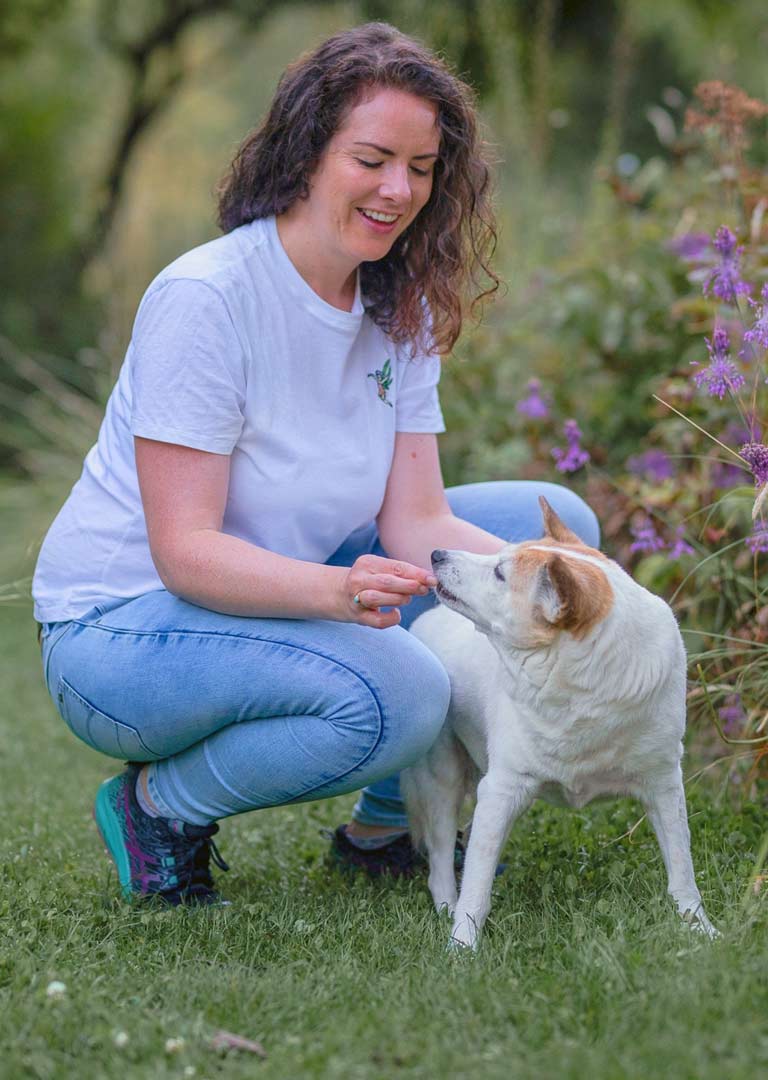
(571, 595)
(547, 599)
(554, 527)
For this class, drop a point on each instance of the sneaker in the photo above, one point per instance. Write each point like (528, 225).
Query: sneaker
(398, 858)
(159, 857)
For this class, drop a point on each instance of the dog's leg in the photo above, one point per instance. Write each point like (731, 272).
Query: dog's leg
(434, 791)
(667, 813)
(500, 799)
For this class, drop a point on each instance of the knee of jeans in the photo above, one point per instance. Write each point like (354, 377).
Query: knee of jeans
(573, 512)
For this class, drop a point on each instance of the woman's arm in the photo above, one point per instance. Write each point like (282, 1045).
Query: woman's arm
(184, 494)
(415, 517)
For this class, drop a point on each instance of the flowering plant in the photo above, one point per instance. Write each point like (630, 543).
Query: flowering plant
(691, 507)
(723, 403)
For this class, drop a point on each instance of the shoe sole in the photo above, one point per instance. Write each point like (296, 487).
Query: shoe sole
(111, 834)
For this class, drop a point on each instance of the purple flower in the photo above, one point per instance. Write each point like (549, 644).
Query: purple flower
(732, 714)
(646, 537)
(725, 279)
(679, 546)
(653, 464)
(574, 456)
(756, 456)
(534, 405)
(724, 242)
(721, 374)
(758, 332)
(757, 541)
(690, 246)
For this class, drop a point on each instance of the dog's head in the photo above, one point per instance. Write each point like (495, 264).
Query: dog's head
(529, 593)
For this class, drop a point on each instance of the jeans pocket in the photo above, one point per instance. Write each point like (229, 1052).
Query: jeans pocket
(96, 729)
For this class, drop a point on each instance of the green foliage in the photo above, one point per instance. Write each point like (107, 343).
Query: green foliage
(597, 327)
(22, 20)
(41, 300)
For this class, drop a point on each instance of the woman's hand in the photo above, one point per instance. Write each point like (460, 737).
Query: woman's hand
(374, 582)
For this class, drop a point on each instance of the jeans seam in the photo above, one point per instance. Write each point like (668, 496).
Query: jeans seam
(65, 684)
(47, 664)
(267, 641)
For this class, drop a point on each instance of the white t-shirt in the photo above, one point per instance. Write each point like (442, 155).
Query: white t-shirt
(232, 352)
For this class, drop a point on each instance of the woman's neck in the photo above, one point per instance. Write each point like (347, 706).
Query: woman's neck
(333, 284)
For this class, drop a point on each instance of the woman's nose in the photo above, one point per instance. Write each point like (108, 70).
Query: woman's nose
(396, 184)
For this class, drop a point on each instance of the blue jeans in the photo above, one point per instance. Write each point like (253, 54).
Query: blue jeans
(241, 713)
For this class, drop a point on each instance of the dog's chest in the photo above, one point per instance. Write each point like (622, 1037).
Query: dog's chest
(577, 764)
(583, 792)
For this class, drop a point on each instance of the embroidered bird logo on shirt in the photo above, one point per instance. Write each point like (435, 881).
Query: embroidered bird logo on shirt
(383, 381)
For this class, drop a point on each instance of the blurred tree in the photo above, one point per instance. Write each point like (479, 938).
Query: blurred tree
(21, 23)
(58, 211)
(145, 42)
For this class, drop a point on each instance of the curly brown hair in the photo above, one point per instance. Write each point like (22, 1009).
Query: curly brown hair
(442, 259)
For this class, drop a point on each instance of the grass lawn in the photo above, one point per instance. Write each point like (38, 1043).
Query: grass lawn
(584, 971)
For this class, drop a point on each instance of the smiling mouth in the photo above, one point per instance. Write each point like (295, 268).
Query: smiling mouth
(381, 216)
(446, 594)
(383, 223)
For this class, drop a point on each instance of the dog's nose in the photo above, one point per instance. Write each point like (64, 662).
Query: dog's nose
(438, 555)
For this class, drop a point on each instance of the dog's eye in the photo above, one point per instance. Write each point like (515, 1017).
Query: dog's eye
(498, 572)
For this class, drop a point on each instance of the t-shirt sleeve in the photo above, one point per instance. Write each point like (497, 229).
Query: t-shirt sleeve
(418, 405)
(188, 368)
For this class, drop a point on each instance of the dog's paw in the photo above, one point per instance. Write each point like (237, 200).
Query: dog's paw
(699, 923)
(460, 949)
(465, 936)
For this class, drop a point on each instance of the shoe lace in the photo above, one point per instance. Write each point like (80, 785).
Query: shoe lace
(192, 863)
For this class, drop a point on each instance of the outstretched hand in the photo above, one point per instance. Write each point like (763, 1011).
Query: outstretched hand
(374, 582)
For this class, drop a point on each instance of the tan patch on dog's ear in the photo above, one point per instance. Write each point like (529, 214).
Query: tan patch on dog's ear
(554, 527)
(580, 595)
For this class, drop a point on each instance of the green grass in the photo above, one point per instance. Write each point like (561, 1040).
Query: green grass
(584, 971)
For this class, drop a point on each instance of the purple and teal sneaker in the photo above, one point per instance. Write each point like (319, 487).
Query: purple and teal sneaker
(155, 857)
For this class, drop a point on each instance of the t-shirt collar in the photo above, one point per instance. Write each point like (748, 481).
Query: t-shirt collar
(303, 291)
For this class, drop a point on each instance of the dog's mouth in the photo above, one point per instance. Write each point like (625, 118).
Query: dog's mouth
(446, 594)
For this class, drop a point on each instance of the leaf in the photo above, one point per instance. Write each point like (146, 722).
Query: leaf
(226, 1040)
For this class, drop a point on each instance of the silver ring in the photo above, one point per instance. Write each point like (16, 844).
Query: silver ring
(356, 598)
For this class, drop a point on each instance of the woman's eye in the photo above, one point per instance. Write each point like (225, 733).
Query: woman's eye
(378, 164)
(498, 572)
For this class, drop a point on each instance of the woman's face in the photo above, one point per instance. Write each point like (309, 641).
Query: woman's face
(374, 177)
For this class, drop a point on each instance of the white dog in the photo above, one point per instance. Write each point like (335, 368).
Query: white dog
(573, 688)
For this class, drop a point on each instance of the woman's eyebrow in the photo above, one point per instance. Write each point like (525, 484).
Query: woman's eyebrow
(391, 153)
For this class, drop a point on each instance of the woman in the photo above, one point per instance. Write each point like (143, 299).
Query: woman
(221, 595)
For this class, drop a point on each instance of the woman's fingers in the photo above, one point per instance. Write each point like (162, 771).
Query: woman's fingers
(391, 570)
(373, 616)
(372, 598)
(386, 583)
(383, 619)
